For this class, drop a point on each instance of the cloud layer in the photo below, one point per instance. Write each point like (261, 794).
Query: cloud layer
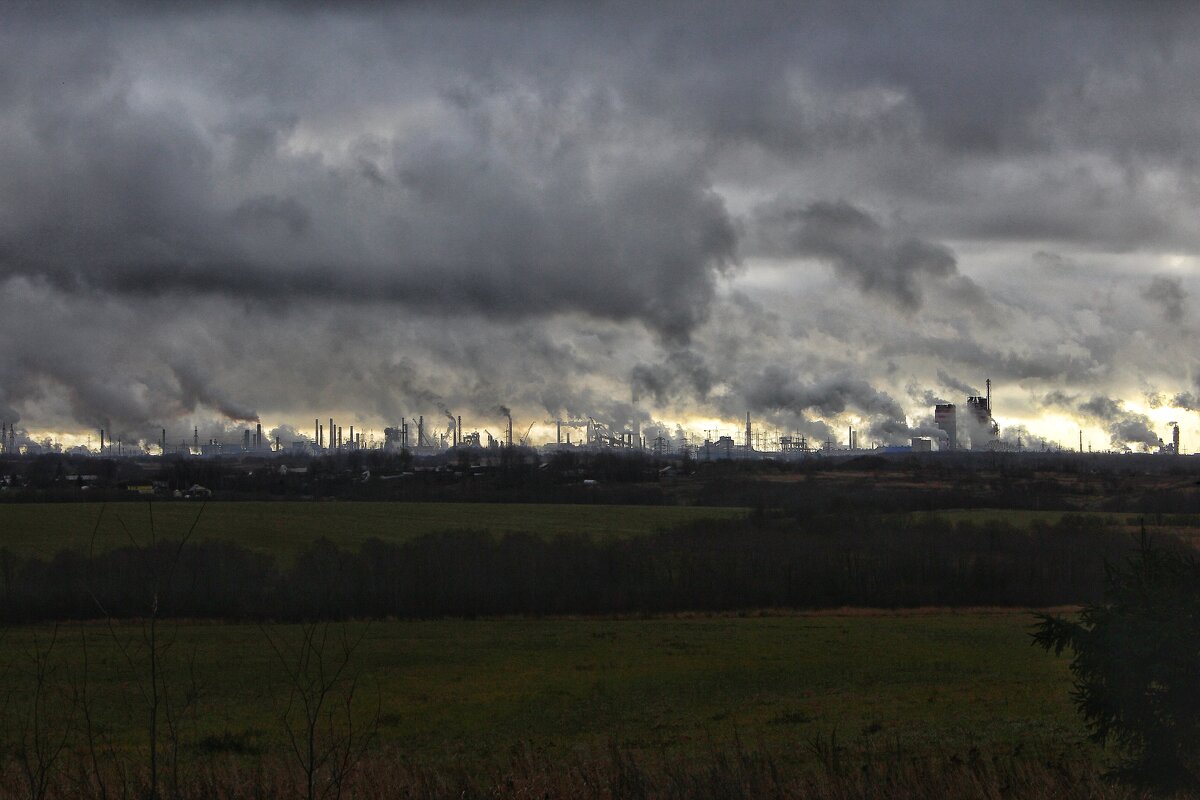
(643, 214)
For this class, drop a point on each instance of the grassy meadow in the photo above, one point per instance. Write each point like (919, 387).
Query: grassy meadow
(464, 692)
(481, 697)
(287, 528)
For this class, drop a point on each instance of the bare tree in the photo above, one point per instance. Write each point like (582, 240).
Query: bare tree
(44, 718)
(318, 715)
(98, 747)
(146, 663)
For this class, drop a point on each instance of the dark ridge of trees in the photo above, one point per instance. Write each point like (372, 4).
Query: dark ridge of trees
(708, 566)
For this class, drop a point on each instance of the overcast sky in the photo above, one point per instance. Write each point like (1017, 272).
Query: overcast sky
(649, 213)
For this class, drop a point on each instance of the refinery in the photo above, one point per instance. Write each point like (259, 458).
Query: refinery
(971, 427)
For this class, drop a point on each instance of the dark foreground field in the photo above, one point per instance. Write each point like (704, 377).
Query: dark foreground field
(638, 695)
(463, 697)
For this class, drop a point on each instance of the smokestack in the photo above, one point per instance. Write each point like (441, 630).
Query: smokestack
(352, 436)
(332, 433)
(164, 441)
(748, 439)
(339, 438)
(276, 444)
(320, 437)
(317, 431)
(989, 395)
(1175, 438)
(458, 430)
(196, 436)
(102, 441)
(558, 434)
(258, 437)
(420, 429)
(1081, 440)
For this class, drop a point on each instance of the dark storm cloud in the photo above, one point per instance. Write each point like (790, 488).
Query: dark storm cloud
(406, 206)
(682, 372)
(1102, 408)
(1168, 295)
(197, 388)
(858, 247)
(496, 228)
(924, 397)
(950, 382)
(1039, 360)
(264, 210)
(521, 202)
(1058, 399)
(776, 390)
(1124, 427)
(1186, 401)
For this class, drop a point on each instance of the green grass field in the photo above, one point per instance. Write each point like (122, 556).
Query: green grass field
(286, 528)
(469, 691)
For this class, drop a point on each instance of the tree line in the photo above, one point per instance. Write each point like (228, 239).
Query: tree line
(713, 566)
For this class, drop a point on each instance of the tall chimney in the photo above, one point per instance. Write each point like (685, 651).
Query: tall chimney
(989, 395)
(317, 431)
(458, 430)
(558, 434)
(258, 437)
(164, 441)
(102, 441)
(332, 433)
(748, 439)
(420, 430)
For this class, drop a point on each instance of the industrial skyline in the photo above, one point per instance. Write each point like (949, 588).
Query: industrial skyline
(658, 216)
(978, 431)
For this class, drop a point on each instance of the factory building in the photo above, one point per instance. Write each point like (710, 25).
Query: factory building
(945, 418)
(983, 428)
